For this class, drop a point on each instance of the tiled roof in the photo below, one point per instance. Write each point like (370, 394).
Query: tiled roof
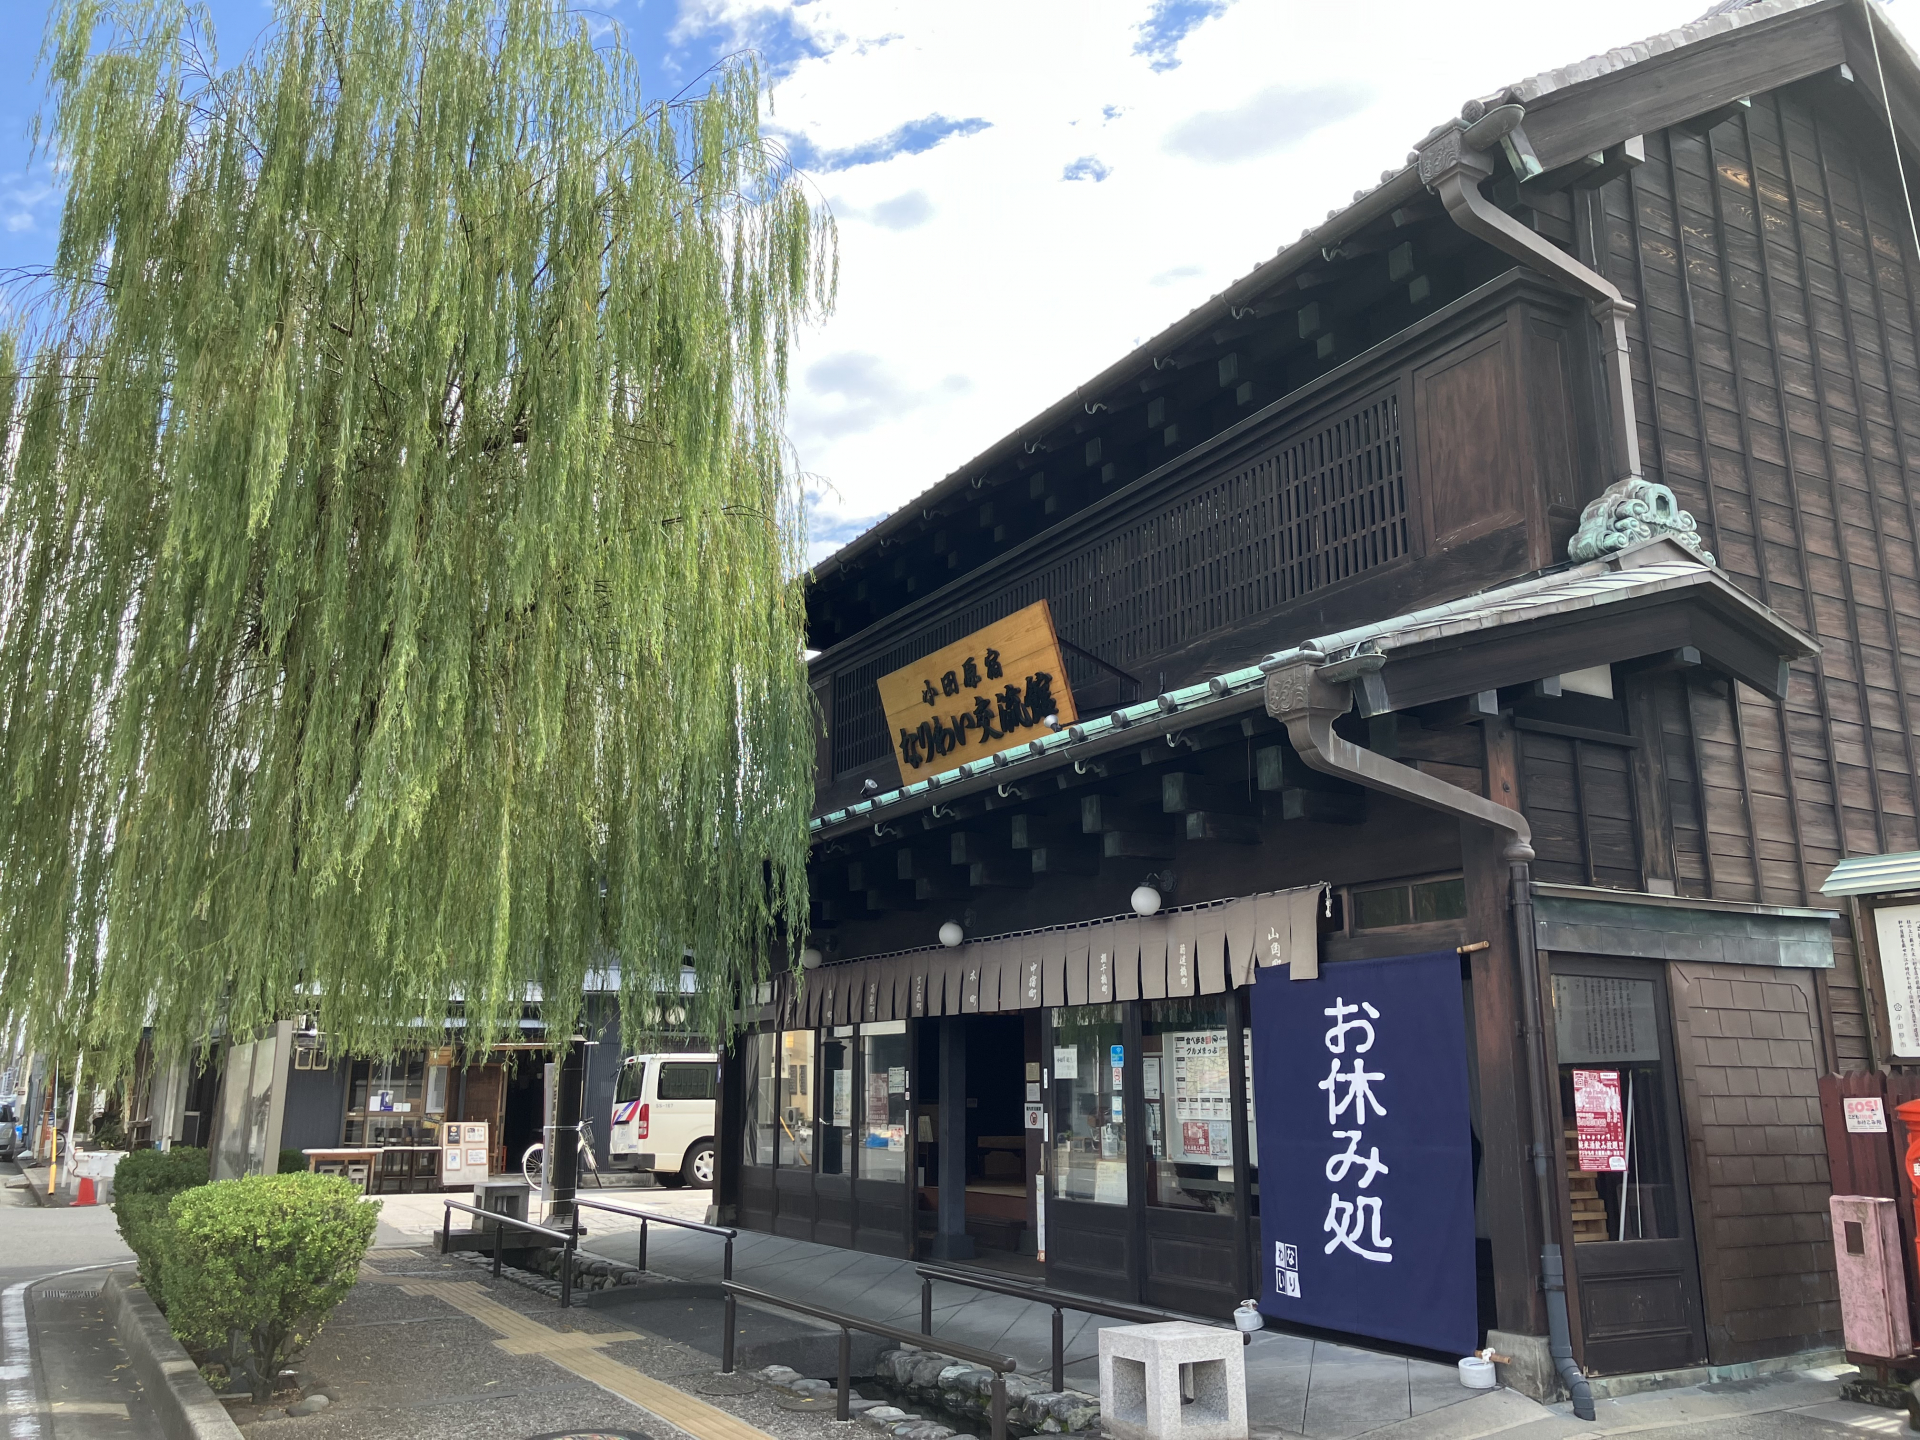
(1635, 573)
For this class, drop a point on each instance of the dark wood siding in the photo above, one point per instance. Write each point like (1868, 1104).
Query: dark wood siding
(1778, 388)
(1750, 1056)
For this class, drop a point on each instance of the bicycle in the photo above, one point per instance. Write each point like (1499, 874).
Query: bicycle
(533, 1164)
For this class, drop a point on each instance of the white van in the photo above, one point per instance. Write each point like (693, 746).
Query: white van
(663, 1115)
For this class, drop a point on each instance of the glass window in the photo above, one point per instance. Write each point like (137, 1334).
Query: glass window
(1089, 1114)
(757, 1081)
(386, 1103)
(436, 1089)
(883, 1118)
(684, 1080)
(795, 1139)
(1418, 904)
(632, 1077)
(1613, 1109)
(1186, 1072)
(1439, 900)
(836, 1102)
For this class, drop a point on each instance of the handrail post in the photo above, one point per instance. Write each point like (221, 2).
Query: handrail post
(566, 1272)
(446, 1228)
(843, 1409)
(726, 1264)
(643, 1246)
(926, 1305)
(999, 1406)
(498, 1230)
(1059, 1351)
(726, 1341)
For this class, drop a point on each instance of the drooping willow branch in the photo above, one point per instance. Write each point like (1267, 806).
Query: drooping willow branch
(399, 563)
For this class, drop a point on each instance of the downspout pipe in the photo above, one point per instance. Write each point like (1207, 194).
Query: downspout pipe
(1307, 694)
(1452, 166)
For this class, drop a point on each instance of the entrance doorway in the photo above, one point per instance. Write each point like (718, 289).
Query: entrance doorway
(998, 1215)
(1631, 1215)
(524, 1109)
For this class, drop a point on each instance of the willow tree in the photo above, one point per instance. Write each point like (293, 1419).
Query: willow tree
(400, 561)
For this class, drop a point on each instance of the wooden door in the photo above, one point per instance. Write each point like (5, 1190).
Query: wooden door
(1633, 1258)
(486, 1099)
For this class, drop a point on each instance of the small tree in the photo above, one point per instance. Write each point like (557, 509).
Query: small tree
(257, 1265)
(144, 1184)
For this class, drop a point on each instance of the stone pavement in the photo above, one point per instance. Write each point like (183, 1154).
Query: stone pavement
(1295, 1385)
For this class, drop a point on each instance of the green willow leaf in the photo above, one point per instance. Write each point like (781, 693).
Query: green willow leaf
(400, 558)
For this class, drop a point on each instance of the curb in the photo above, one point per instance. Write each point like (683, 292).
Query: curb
(33, 1190)
(181, 1399)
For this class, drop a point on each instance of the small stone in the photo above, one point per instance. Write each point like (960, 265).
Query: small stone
(883, 1417)
(857, 1405)
(925, 1372)
(971, 1380)
(600, 1267)
(629, 1277)
(779, 1374)
(900, 1363)
(312, 1405)
(810, 1387)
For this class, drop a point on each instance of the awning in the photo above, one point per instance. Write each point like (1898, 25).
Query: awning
(1205, 950)
(1874, 874)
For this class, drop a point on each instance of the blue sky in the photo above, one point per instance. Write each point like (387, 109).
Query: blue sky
(1025, 191)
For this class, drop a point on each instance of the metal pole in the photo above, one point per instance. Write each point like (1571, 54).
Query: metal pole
(726, 1341)
(926, 1306)
(566, 1274)
(641, 1263)
(726, 1264)
(843, 1410)
(999, 1431)
(497, 1232)
(73, 1111)
(563, 1146)
(1059, 1351)
(446, 1228)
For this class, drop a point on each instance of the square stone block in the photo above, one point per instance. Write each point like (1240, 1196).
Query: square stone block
(1173, 1381)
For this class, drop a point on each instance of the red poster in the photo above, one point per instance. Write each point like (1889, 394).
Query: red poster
(1600, 1120)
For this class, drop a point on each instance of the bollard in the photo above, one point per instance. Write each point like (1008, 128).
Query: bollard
(641, 1263)
(843, 1410)
(999, 1406)
(446, 1228)
(926, 1308)
(726, 1342)
(1059, 1350)
(726, 1264)
(496, 1249)
(566, 1271)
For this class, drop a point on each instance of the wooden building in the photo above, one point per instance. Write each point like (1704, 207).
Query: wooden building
(1567, 478)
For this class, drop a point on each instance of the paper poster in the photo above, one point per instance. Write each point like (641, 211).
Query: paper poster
(843, 1097)
(1866, 1115)
(476, 1159)
(876, 1099)
(1036, 1117)
(1600, 1120)
(897, 1080)
(1150, 1076)
(1203, 1095)
(1066, 1062)
(1605, 1020)
(452, 1161)
(1897, 928)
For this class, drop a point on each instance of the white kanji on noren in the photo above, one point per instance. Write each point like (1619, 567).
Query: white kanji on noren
(1371, 1163)
(1337, 1036)
(1347, 1219)
(1359, 1092)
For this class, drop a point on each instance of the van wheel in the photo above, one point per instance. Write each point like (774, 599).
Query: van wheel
(696, 1171)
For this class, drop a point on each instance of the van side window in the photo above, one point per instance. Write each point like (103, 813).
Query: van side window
(631, 1078)
(688, 1082)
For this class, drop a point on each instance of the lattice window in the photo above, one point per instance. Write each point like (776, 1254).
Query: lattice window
(1324, 505)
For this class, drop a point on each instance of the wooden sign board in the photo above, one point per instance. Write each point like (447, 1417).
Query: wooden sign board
(989, 692)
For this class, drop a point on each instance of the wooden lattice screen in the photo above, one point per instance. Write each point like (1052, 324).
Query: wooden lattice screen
(1324, 505)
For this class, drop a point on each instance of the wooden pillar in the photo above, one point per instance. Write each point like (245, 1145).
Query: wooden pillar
(730, 1116)
(950, 1238)
(1506, 1173)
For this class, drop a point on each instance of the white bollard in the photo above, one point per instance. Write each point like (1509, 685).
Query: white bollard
(1172, 1381)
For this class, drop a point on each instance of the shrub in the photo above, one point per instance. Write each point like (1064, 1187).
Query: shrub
(256, 1265)
(144, 1184)
(293, 1162)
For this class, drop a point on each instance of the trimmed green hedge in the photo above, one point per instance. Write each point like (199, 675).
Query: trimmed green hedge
(258, 1264)
(144, 1184)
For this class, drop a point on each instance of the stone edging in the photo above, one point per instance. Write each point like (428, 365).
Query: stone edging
(186, 1407)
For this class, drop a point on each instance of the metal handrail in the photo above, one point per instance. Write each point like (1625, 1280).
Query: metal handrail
(568, 1241)
(1059, 1300)
(1001, 1365)
(646, 1217)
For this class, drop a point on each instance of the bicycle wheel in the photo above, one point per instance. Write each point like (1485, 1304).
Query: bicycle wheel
(533, 1165)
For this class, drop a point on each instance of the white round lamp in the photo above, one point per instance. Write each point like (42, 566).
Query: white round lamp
(951, 934)
(1146, 900)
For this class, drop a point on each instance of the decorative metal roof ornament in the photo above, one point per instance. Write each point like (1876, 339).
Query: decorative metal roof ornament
(1627, 512)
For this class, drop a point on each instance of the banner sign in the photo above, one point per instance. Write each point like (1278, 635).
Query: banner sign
(988, 692)
(1600, 1122)
(1366, 1184)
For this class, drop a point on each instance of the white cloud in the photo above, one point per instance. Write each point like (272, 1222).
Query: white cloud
(976, 257)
